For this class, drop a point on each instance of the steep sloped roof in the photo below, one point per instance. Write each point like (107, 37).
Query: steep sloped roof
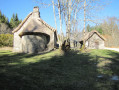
(39, 19)
(89, 35)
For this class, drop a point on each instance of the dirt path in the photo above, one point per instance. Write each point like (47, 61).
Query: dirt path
(6, 48)
(115, 49)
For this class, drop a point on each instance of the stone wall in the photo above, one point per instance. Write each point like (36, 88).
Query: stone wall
(95, 42)
(17, 44)
(30, 43)
(34, 43)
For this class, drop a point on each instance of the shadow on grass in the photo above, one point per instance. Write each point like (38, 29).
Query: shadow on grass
(111, 69)
(70, 72)
(7, 58)
(114, 65)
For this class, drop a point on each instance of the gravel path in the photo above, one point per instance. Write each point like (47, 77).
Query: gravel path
(115, 49)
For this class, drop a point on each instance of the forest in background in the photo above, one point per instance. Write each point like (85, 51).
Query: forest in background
(109, 28)
(7, 26)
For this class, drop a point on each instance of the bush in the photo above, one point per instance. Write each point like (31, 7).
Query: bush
(6, 40)
(66, 46)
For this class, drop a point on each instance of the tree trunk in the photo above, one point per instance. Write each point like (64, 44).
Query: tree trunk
(69, 18)
(84, 17)
(54, 14)
(61, 32)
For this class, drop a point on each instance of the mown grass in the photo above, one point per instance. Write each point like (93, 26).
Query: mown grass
(53, 71)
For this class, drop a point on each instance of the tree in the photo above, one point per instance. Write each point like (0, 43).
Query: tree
(88, 28)
(4, 24)
(59, 11)
(3, 18)
(69, 11)
(14, 22)
(54, 14)
(96, 27)
(84, 16)
(90, 9)
(110, 30)
(4, 28)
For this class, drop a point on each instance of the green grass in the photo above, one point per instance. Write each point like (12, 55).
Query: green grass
(53, 71)
(104, 53)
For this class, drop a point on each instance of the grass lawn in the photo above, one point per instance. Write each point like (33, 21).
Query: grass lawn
(52, 71)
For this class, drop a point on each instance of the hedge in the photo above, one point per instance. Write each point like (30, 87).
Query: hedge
(6, 40)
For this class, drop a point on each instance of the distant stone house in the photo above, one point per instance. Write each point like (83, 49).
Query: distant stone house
(93, 40)
(34, 35)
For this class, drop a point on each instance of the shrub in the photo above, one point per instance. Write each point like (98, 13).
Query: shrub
(66, 46)
(6, 40)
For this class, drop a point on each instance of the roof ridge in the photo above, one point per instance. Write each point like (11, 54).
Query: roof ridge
(94, 31)
(99, 34)
(89, 34)
(21, 24)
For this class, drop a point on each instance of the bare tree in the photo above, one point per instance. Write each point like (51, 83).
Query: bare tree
(54, 14)
(91, 8)
(60, 19)
(84, 16)
(4, 29)
(70, 11)
(56, 6)
(111, 31)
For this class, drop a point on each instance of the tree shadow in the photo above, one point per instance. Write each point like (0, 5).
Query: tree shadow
(74, 71)
(111, 69)
(114, 65)
(5, 59)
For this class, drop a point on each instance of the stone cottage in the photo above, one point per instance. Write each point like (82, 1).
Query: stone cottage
(93, 40)
(34, 35)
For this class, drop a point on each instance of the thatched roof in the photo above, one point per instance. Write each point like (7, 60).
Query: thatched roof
(39, 19)
(90, 34)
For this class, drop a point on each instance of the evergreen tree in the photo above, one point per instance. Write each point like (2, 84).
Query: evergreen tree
(14, 22)
(88, 28)
(17, 21)
(5, 25)
(7, 21)
(16, 17)
(97, 28)
(3, 19)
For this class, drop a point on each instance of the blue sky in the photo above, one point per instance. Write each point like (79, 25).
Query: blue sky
(24, 7)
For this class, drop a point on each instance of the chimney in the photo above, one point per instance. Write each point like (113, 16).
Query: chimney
(36, 13)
